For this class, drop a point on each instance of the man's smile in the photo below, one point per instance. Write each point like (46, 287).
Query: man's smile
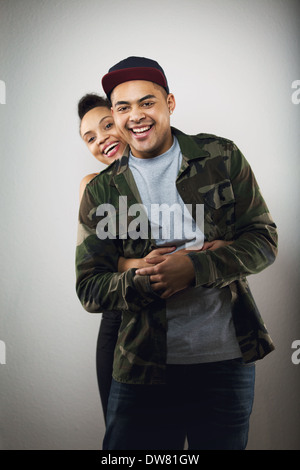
(141, 132)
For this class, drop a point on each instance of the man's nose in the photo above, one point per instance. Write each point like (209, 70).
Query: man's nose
(137, 114)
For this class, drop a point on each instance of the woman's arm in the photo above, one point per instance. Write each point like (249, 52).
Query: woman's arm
(138, 263)
(84, 182)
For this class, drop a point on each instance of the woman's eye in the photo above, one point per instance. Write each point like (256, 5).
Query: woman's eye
(91, 139)
(109, 125)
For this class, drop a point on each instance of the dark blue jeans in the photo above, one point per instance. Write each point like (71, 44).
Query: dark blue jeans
(209, 404)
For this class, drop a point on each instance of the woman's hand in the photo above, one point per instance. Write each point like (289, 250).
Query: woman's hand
(215, 244)
(127, 263)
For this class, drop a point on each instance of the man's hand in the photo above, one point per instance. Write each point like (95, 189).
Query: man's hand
(170, 274)
(174, 272)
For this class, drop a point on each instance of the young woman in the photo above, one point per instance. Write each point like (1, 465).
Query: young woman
(98, 131)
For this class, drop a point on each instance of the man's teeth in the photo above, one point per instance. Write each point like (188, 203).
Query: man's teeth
(140, 130)
(108, 149)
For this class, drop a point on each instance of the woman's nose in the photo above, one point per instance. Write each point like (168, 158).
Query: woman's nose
(101, 138)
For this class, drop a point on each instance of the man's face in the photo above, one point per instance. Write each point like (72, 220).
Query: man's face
(141, 112)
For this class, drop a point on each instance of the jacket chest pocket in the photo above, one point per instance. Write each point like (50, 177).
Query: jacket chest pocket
(219, 210)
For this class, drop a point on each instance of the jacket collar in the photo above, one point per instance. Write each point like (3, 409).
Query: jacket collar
(190, 145)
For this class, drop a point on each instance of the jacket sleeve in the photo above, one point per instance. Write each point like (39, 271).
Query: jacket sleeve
(255, 242)
(99, 285)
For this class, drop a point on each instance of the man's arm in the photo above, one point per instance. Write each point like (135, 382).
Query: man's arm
(252, 250)
(99, 286)
(255, 242)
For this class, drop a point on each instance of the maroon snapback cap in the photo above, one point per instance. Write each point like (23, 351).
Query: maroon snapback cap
(134, 68)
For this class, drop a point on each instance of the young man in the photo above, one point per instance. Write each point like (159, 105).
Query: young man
(190, 332)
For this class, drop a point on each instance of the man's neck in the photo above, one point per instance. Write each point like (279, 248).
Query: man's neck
(155, 152)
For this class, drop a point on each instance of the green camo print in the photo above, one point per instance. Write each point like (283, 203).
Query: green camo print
(214, 173)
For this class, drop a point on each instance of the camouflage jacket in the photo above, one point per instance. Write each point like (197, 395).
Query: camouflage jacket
(214, 173)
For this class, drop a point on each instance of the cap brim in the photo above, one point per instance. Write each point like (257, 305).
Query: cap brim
(116, 77)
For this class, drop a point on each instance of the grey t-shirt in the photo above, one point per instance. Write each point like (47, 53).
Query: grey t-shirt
(200, 327)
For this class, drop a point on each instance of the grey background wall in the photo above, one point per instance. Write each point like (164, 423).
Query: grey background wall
(231, 65)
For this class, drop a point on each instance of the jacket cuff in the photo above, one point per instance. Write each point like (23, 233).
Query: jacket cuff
(143, 286)
(204, 269)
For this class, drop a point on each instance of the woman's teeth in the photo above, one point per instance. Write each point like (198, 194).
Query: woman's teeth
(111, 147)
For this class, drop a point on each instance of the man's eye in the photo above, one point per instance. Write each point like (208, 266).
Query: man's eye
(147, 104)
(122, 109)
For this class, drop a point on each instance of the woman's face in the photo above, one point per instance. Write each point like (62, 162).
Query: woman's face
(100, 135)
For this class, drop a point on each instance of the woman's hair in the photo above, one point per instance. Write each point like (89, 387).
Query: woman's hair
(90, 101)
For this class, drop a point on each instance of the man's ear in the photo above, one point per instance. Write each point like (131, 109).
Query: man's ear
(171, 102)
